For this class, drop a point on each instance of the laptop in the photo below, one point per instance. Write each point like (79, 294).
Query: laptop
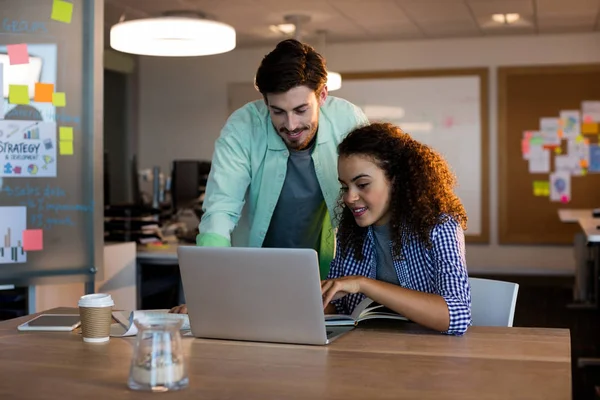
(255, 294)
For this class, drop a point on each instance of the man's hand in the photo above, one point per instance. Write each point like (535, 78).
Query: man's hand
(182, 309)
(333, 289)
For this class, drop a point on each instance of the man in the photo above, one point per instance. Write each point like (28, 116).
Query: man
(278, 158)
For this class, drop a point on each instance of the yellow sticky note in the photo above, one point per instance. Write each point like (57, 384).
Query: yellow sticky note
(579, 139)
(65, 133)
(558, 150)
(65, 147)
(541, 188)
(18, 94)
(59, 99)
(62, 11)
(589, 128)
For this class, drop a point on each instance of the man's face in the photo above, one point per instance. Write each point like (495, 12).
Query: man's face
(295, 115)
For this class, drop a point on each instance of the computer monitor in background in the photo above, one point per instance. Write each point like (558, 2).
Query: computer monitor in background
(188, 182)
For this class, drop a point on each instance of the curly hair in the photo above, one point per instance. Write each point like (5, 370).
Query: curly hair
(291, 64)
(422, 193)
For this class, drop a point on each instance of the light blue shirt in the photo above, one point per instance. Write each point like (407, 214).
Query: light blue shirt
(248, 170)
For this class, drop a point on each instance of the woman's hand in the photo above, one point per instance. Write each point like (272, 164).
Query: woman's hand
(182, 309)
(333, 289)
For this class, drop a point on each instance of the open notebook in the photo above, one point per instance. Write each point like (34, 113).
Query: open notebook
(366, 309)
(126, 327)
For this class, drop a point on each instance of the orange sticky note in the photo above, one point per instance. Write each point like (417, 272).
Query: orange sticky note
(33, 240)
(18, 94)
(59, 99)
(589, 128)
(65, 147)
(43, 92)
(17, 54)
(62, 11)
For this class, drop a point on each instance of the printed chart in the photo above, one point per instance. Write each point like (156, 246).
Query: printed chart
(13, 221)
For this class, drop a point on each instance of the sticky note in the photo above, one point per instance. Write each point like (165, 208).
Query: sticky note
(62, 11)
(43, 92)
(33, 240)
(18, 94)
(541, 188)
(59, 99)
(17, 54)
(589, 128)
(558, 150)
(65, 147)
(65, 133)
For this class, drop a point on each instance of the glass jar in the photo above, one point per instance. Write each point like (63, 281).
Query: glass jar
(158, 363)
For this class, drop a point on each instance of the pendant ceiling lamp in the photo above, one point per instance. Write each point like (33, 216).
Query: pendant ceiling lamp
(175, 34)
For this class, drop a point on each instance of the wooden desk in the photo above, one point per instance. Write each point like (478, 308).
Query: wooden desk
(572, 215)
(589, 226)
(369, 363)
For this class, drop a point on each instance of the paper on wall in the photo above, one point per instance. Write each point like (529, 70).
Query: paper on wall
(567, 163)
(549, 128)
(590, 111)
(594, 165)
(580, 149)
(27, 149)
(539, 159)
(570, 123)
(525, 142)
(1, 86)
(560, 187)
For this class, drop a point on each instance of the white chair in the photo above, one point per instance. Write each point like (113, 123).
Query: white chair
(493, 302)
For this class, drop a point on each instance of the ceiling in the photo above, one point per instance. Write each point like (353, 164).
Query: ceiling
(372, 20)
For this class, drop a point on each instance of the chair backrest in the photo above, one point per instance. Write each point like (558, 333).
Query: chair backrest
(493, 302)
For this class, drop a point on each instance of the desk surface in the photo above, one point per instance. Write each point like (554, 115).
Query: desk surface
(374, 362)
(571, 215)
(590, 228)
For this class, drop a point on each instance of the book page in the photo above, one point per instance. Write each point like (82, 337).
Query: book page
(126, 327)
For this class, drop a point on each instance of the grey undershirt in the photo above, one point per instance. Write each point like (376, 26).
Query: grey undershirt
(385, 263)
(298, 217)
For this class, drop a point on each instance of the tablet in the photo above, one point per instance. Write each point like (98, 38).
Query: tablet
(51, 322)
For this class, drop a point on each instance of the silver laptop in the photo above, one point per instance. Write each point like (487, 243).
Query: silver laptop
(255, 294)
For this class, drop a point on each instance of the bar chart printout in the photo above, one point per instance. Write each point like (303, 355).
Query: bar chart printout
(13, 221)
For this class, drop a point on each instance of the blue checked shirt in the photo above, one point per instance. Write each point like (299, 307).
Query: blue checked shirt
(440, 270)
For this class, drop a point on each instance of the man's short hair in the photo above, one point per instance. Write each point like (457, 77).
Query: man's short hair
(291, 64)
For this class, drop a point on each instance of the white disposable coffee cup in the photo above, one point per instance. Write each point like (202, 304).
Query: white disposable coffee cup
(95, 311)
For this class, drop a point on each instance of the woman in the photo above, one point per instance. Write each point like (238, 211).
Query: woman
(400, 236)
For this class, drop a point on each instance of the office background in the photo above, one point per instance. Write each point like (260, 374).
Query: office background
(183, 105)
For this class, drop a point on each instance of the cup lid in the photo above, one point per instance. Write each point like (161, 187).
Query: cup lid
(96, 300)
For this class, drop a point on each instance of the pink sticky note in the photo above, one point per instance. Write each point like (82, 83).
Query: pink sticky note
(33, 240)
(18, 54)
(564, 199)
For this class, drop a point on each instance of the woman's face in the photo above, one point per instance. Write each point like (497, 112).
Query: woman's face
(365, 190)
